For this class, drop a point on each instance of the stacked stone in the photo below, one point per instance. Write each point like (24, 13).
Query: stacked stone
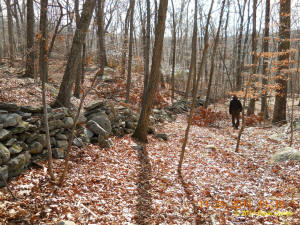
(22, 136)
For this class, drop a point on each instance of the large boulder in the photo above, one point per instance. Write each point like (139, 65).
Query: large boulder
(103, 121)
(94, 105)
(4, 154)
(286, 154)
(96, 128)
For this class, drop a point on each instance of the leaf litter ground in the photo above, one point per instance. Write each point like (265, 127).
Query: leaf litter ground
(134, 183)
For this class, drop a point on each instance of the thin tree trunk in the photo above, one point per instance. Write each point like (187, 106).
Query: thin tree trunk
(125, 43)
(4, 50)
(132, 3)
(65, 90)
(212, 63)
(101, 33)
(251, 107)
(192, 71)
(173, 51)
(44, 78)
(203, 59)
(56, 29)
(10, 33)
(264, 107)
(30, 40)
(142, 126)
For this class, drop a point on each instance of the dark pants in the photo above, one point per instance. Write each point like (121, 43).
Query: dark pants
(235, 119)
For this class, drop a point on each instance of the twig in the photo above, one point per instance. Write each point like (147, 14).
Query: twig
(8, 188)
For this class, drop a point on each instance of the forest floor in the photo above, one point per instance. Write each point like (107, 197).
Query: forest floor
(135, 183)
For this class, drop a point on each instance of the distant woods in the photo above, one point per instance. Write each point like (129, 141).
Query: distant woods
(243, 41)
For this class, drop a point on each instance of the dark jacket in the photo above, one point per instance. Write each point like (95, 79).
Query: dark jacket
(235, 106)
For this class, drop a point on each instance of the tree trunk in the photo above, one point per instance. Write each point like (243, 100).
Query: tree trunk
(43, 59)
(173, 50)
(10, 33)
(251, 107)
(239, 46)
(284, 46)
(65, 90)
(132, 3)
(264, 107)
(212, 63)
(30, 40)
(44, 77)
(142, 126)
(147, 49)
(203, 60)
(3, 32)
(192, 71)
(125, 44)
(101, 35)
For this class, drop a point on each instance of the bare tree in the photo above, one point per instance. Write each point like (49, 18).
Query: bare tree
(140, 132)
(284, 46)
(10, 33)
(212, 62)
(203, 59)
(30, 40)
(192, 71)
(65, 90)
(132, 3)
(251, 107)
(264, 107)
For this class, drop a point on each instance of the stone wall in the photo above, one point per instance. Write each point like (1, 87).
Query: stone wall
(23, 138)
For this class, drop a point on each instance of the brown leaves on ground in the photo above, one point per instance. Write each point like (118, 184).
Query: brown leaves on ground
(133, 183)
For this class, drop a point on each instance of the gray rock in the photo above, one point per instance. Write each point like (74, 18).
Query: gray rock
(77, 142)
(88, 113)
(94, 105)
(96, 128)
(162, 136)
(81, 119)
(4, 134)
(1, 126)
(62, 144)
(20, 128)
(55, 124)
(129, 125)
(9, 107)
(103, 121)
(151, 130)
(41, 138)
(69, 122)
(286, 154)
(32, 109)
(275, 137)
(60, 136)
(10, 142)
(88, 133)
(12, 120)
(15, 149)
(17, 164)
(58, 116)
(92, 115)
(297, 125)
(103, 142)
(36, 147)
(3, 112)
(58, 153)
(52, 141)
(66, 222)
(4, 172)
(4, 154)
(26, 116)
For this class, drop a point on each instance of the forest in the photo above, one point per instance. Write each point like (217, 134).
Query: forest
(150, 112)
